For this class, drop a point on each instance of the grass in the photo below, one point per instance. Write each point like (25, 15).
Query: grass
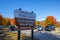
(13, 35)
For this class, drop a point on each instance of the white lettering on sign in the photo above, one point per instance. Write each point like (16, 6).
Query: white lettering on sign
(24, 14)
(26, 21)
(24, 18)
(25, 24)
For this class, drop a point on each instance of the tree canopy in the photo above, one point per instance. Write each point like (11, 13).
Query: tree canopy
(50, 20)
(4, 21)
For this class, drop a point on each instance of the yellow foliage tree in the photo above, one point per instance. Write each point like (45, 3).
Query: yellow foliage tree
(43, 23)
(6, 21)
(37, 23)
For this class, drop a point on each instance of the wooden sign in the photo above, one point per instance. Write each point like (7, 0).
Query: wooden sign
(24, 18)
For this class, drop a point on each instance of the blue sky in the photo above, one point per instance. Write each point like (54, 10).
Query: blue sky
(42, 8)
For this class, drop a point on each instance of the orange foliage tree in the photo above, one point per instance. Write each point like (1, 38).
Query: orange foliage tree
(50, 20)
(12, 21)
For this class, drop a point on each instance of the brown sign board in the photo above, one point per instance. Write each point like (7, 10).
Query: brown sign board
(24, 19)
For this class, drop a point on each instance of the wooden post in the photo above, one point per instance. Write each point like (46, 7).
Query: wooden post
(19, 33)
(32, 33)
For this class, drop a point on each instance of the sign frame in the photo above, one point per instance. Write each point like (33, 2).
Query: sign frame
(32, 27)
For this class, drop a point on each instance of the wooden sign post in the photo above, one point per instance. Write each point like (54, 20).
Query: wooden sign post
(32, 34)
(24, 19)
(18, 34)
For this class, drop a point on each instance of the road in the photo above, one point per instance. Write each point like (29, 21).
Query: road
(38, 35)
(43, 35)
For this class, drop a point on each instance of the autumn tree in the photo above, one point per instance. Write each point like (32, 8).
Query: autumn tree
(43, 23)
(50, 20)
(6, 21)
(12, 21)
(37, 22)
(58, 24)
(1, 19)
